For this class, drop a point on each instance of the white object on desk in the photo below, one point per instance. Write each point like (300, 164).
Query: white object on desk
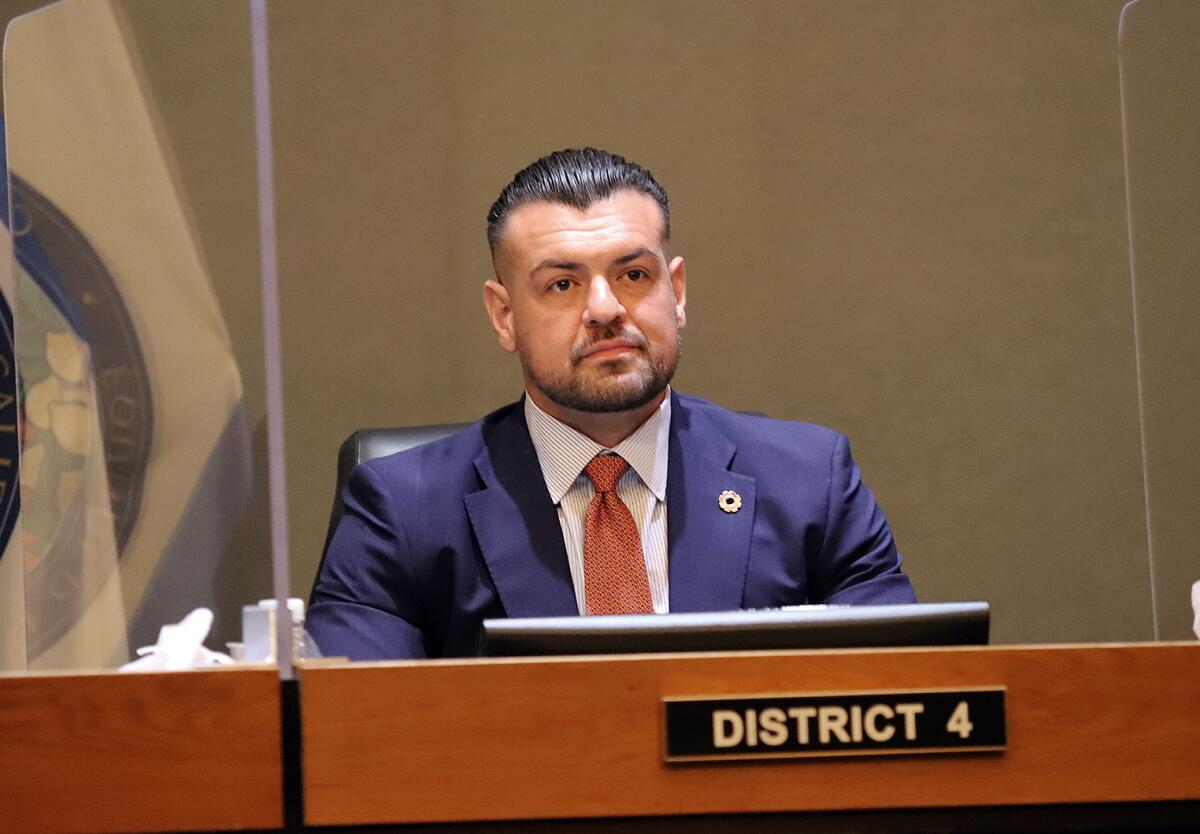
(258, 628)
(1196, 608)
(180, 646)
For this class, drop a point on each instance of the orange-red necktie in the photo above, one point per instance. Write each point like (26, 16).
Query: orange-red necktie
(614, 569)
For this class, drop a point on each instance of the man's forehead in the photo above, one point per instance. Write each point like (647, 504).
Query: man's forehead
(625, 216)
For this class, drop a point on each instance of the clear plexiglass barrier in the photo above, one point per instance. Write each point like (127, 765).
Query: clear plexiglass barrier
(1160, 61)
(907, 222)
(137, 349)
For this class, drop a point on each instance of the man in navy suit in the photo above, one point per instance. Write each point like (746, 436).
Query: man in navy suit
(703, 509)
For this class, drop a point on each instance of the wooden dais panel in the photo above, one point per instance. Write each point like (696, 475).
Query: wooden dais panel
(158, 751)
(544, 738)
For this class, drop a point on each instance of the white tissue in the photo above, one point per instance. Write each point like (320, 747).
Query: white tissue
(1196, 608)
(180, 646)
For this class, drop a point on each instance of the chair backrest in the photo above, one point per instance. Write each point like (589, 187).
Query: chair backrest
(367, 444)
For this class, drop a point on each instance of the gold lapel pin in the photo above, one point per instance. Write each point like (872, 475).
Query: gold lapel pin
(729, 501)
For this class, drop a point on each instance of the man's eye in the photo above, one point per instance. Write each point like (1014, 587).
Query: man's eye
(635, 274)
(561, 285)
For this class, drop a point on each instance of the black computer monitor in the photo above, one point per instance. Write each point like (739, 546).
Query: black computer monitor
(799, 627)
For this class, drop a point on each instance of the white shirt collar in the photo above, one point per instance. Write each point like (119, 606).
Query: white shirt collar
(563, 452)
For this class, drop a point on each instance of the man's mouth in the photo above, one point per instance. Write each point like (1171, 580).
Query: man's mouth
(609, 349)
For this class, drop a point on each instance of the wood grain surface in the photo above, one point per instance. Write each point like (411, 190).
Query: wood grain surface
(537, 738)
(159, 751)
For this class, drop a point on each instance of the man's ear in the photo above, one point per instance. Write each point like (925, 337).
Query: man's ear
(679, 287)
(500, 314)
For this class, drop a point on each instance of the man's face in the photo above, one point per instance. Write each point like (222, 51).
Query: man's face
(589, 302)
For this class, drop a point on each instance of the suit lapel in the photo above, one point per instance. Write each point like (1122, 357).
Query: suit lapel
(709, 549)
(517, 525)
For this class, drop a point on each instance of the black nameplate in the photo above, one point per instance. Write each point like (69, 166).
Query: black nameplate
(834, 724)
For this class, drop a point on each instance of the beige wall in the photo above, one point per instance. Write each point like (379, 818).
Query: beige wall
(904, 220)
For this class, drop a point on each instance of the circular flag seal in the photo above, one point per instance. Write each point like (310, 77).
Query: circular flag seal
(80, 366)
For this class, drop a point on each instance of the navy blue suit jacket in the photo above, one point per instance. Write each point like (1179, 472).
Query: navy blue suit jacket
(438, 538)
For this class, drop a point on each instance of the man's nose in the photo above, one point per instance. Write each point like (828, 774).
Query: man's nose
(603, 306)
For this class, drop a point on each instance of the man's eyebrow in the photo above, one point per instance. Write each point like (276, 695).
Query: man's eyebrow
(572, 266)
(568, 266)
(632, 256)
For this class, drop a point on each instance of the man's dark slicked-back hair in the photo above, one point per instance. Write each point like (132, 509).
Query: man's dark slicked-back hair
(576, 177)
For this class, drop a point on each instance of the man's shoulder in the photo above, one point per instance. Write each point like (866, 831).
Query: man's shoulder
(759, 430)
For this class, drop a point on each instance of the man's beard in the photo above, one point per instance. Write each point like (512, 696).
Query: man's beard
(603, 395)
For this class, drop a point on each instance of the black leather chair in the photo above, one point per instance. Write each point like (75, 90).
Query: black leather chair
(367, 444)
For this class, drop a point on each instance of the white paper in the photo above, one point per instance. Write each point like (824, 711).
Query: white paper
(1196, 608)
(180, 646)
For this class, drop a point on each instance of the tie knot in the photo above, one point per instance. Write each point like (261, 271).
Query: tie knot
(605, 470)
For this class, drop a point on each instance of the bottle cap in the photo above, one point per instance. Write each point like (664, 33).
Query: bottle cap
(295, 608)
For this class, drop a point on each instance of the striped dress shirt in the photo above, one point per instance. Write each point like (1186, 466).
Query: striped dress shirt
(563, 453)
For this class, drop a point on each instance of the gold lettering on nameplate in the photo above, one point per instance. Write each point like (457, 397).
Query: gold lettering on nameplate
(834, 724)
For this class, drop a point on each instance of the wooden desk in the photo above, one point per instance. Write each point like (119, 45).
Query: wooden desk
(165, 751)
(440, 741)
